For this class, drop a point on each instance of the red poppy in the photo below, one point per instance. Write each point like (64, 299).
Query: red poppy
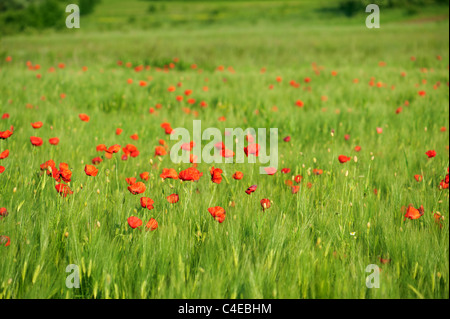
(4, 154)
(343, 159)
(190, 174)
(295, 189)
(298, 179)
(147, 202)
(287, 139)
(37, 125)
(134, 137)
(317, 171)
(357, 148)
(216, 176)
(188, 146)
(134, 222)
(251, 189)
(169, 173)
(84, 117)
(270, 170)
(418, 177)
(299, 103)
(413, 213)
(238, 175)
(145, 176)
(431, 153)
(63, 189)
(137, 188)
(227, 153)
(97, 160)
(131, 180)
(160, 151)
(5, 134)
(91, 170)
(422, 93)
(151, 225)
(174, 198)
(113, 149)
(54, 141)
(218, 213)
(2, 169)
(64, 172)
(286, 170)
(36, 141)
(5, 240)
(3, 212)
(119, 131)
(265, 203)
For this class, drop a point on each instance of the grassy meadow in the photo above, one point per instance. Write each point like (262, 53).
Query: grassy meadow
(253, 58)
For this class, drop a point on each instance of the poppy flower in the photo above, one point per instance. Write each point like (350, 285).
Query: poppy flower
(134, 222)
(343, 159)
(4, 154)
(227, 153)
(238, 175)
(37, 125)
(218, 213)
(357, 148)
(265, 203)
(413, 213)
(287, 139)
(36, 141)
(379, 130)
(270, 170)
(137, 188)
(145, 176)
(3, 212)
(63, 190)
(252, 149)
(298, 179)
(346, 137)
(418, 177)
(134, 137)
(114, 149)
(286, 170)
(188, 146)
(91, 170)
(54, 141)
(160, 151)
(97, 160)
(216, 176)
(147, 202)
(251, 189)
(190, 174)
(299, 103)
(5, 134)
(174, 198)
(317, 171)
(2, 169)
(431, 153)
(422, 93)
(84, 117)
(151, 225)
(131, 180)
(119, 131)
(64, 172)
(295, 189)
(169, 173)
(5, 240)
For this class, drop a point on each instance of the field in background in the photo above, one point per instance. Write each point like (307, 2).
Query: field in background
(312, 244)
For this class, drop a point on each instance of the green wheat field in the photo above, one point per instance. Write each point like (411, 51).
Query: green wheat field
(362, 116)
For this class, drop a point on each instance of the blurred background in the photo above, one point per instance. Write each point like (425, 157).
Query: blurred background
(29, 16)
